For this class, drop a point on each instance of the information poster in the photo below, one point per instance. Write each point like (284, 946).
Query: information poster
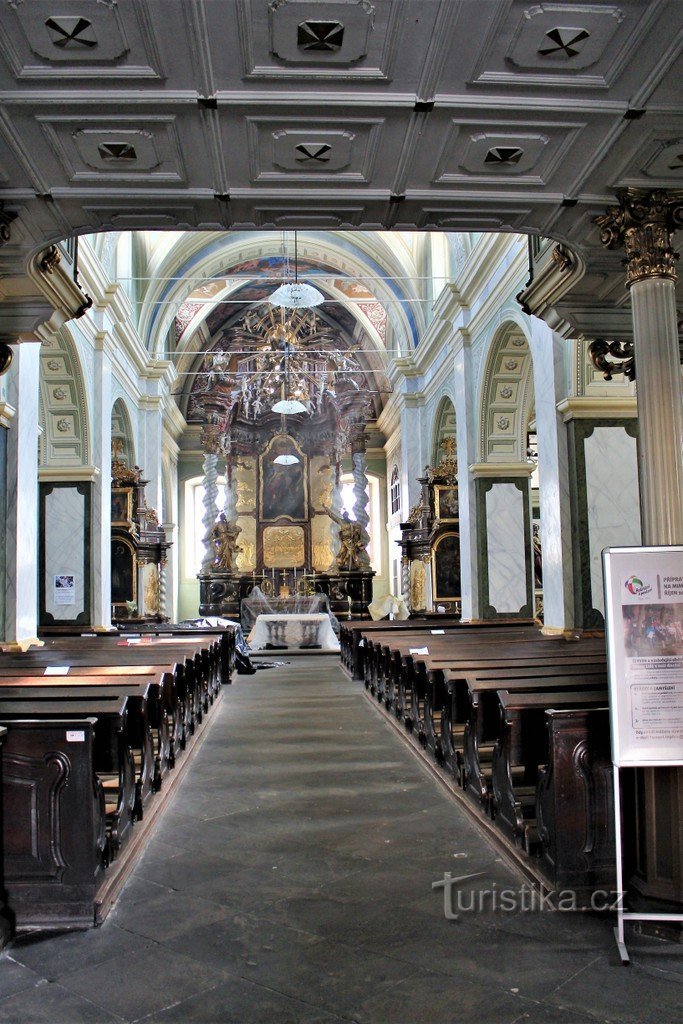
(65, 589)
(644, 621)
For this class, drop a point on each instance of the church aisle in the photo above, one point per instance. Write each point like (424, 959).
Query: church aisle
(290, 880)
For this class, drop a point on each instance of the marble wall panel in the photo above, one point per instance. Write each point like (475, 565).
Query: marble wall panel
(505, 531)
(65, 546)
(611, 498)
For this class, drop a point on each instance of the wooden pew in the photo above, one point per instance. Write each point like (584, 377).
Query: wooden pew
(521, 746)
(112, 757)
(55, 828)
(105, 657)
(483, 726)
(139, 731)
(225, 635)
(575, 802)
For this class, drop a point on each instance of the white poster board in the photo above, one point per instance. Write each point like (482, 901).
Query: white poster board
(644, 625)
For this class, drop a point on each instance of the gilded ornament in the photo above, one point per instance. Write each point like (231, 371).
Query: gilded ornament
(50, 260)
(560, 256)
(644, 223)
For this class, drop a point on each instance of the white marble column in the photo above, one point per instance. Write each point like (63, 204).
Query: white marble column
(466, 420)
(660, 409)
(361, 496)
(101, 492)
(21, 526)
(644, 223)
(547, 350)
(210, 506)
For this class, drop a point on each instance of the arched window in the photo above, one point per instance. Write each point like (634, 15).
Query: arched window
(395, 491)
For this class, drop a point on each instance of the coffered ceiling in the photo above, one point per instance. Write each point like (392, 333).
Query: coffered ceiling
(444, 114)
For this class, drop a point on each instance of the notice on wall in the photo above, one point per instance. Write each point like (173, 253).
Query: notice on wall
(64, 589)
(644, 622)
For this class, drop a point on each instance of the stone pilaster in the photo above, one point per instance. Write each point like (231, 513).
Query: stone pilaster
(21, 527)
(553, 467)
(101, 494)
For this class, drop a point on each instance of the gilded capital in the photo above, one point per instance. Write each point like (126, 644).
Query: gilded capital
(644, 223)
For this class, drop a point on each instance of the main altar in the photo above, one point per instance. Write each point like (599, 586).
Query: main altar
(283, 403)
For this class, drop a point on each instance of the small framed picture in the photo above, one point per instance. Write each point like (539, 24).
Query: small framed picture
(446, 503)
(121, 506)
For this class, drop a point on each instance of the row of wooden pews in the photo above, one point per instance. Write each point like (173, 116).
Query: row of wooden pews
(520, 721)
(98, 729)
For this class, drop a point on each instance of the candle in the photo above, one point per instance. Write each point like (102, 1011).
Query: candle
(273, 572)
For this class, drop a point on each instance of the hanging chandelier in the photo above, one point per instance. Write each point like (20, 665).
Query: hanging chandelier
(294, 294)
(284, 363)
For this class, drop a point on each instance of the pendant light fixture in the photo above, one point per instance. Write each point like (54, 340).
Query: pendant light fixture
(295, 294)
(285, 458)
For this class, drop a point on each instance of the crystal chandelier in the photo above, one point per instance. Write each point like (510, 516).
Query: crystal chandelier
(295, 294)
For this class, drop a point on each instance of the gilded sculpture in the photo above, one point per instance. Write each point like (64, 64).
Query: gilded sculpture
(224, 539)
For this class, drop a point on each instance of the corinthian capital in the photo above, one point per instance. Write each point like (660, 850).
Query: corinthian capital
(644, 223)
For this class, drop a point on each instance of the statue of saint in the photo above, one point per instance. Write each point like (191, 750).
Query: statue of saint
(224, 540)
(352, 554)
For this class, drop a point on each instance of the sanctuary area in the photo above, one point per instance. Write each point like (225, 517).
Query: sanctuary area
(338, 341)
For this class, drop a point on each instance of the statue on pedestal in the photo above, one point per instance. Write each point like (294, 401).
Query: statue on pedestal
(224, 539)
(352, 554)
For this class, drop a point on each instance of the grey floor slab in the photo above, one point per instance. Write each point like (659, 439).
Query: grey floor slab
(290, 880)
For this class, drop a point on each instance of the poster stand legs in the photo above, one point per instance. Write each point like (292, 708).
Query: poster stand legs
(622, 915)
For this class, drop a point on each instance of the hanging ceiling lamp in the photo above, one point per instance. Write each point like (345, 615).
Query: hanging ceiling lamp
(295, 294)
(285, 458)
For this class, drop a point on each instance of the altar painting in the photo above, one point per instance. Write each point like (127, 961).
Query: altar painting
(283, 488)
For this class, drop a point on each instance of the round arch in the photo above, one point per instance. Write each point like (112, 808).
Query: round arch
(63, 412)
(507, 396)
(122, 431)
(444, 426)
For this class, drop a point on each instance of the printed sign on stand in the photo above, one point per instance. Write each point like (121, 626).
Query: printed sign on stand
(644, 626)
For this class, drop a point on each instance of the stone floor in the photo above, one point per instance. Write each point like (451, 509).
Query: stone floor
(290, 880)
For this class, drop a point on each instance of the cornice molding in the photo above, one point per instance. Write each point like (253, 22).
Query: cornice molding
(594, 407)
(65, 474)
(7, 413)
(500, 469)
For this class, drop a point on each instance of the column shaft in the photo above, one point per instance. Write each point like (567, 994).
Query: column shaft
(660, 409)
